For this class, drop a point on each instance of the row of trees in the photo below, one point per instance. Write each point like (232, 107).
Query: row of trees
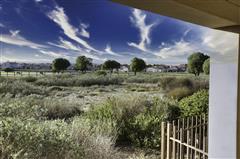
(83, 63)
(197, 63)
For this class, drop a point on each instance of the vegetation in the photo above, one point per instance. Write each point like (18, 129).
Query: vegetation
(195, 63)
(137, 65)
(60, 64)
(93, 115)
(8, 69)
(83, 63)
(197, 104)
(206, 66)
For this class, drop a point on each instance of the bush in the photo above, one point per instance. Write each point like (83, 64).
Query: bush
(197, 104)
(169, 83)
(84, 81)
(171, 113)
(29, 79)
(137, 120)
(179, 93)
(33, 139)
(61, 109)
(101, 73)
(20, 88)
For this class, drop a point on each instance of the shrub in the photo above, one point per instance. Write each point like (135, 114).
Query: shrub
(20, 88)
(61, 109)
(197, 104)
(29, 79)
(101, 73)
(172, 112)
(79, 81)
(33, 139)
(136, 119)
(179, 93)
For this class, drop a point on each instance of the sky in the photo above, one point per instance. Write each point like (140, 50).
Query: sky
(36, 31)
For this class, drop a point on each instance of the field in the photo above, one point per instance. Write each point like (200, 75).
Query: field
(93, 116)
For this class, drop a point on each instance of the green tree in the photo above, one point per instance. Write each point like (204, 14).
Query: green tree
(110, 65)
(206, 66)
(195, 63)
(8, 69)
(137, 65)
(60, 64)
(82, 63)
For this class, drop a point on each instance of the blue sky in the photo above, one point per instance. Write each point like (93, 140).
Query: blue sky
(41, 30)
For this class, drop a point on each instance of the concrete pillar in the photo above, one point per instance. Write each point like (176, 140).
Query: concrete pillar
(223, 106)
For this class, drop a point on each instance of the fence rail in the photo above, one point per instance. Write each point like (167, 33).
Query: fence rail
(185, 138)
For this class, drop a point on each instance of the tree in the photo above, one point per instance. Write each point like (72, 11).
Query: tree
(110, 65)
(82, 63)
(137, 65)
(206, 66)
(60, 64)
(8, 69)
(195, 63)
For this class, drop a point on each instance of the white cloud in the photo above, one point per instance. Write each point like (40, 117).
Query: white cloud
(65, 45)
(139, 20)
(37, 1)
(15, 39)
(108, 50)
(222, 46)
(83, 31)
(180, 49)
(59, 17)
(2, 25)
(53, 54)
(219, 45)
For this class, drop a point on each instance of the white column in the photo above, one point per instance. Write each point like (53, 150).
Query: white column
(223, 107)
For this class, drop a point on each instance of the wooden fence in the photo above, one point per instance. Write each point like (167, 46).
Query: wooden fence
(185, 138)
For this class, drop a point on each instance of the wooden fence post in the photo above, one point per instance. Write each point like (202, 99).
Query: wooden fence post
(163, 140)
(169, 127)
(174, 142)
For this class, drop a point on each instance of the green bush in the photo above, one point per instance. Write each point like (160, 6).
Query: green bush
(197, 104)
(137, 119)
(101, 73)
(20, 88)
(84, 80)
(29, 79)
(179, 93)
(172, 112)
(168, 83)
(33, 139)
(60, 109)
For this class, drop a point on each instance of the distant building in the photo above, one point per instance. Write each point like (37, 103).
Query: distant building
(124, 68)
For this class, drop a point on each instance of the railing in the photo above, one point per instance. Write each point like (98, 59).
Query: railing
(185, 138)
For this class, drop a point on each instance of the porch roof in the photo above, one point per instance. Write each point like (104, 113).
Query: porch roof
(217, 14)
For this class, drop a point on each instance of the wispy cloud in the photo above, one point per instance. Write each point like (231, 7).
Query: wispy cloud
(65, 45)
(53, 54)
(60, 18)
(2, 25)
(37, 1)
(108, 50)
(221, 45)
(138, 19)
(15, 39)
(83, 31)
